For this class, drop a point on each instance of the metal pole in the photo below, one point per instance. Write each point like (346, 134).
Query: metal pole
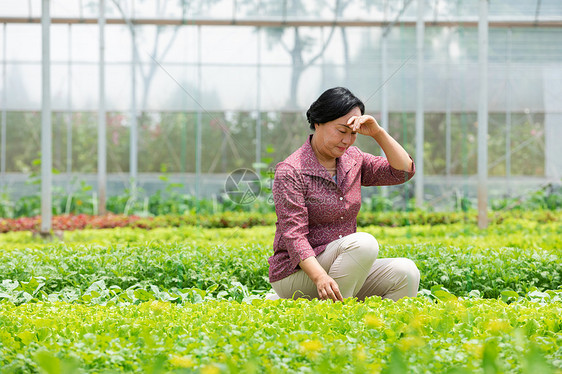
(57, 139)
(448, 188)
(102, 165)
(183, 167)
(69, 113)
(199, 114)
(508, 115)
(133, 150)
(384, 89)
(4, 105)
(462, 88)
(213, 21)
(184, 125)
(483, 115)
(258, 105)
(46, 135)
(384, 73)
(323, 59)
(448, 113)
(419, 106)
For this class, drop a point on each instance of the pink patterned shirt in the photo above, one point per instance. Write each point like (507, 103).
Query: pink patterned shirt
(313, 210)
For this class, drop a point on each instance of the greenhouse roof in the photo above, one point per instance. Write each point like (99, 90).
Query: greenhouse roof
(236, 11)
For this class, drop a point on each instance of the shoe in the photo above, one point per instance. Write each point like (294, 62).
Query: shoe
(272, 296)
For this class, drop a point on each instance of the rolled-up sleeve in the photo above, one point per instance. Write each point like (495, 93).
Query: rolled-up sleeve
(376, 171)
(292, 214)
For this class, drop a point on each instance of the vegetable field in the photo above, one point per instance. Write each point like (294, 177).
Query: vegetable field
(192, 299)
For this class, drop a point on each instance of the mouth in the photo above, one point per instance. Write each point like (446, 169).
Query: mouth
(341, 149)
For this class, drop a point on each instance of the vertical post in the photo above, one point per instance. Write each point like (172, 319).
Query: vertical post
(258, 104)
(223, 151)
(183, 166)
(133, 149)
(183, 163)
(464, 147)
(384, 72)
(448, 112)
(57, 139)
(552, 92)
(508, 114)
(69, 113)
(384, 89)
(419, 106)
(199, 114)
(483, 115)
(323, 59)
(46, 135)
(102, 165)
(3, 131)
(448, 140)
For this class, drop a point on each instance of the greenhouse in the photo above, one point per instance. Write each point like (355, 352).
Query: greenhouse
(202, 88)
(139, 141)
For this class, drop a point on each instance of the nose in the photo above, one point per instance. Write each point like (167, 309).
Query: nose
(347, 139)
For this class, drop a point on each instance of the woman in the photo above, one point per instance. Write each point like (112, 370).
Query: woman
(317, 195)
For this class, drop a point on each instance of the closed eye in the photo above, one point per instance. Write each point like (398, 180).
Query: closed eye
(347, 127)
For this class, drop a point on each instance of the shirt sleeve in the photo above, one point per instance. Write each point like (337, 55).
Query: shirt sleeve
(376, 171)
(292, 214)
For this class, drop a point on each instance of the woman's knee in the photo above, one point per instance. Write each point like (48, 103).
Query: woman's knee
(366, 244)
(408, 269)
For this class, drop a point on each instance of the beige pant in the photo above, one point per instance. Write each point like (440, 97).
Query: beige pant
(352, 262)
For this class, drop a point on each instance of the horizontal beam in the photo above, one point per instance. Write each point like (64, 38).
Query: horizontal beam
(280, 23)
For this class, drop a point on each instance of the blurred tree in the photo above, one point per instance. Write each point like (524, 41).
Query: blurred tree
(302, 43)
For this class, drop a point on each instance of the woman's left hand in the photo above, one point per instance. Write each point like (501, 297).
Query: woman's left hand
(364, 125)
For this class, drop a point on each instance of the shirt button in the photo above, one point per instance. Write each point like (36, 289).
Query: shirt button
(341, 217)
(340, 236)
(341, 198)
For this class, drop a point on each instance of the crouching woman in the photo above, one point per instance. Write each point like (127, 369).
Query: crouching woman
(318, 252)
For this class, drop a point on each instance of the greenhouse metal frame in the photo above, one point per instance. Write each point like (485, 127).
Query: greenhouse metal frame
(415, 24)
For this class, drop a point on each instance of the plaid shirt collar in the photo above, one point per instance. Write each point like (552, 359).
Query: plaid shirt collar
(343, 163)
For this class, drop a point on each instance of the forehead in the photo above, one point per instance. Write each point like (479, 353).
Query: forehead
(343, 120)
(353, 112)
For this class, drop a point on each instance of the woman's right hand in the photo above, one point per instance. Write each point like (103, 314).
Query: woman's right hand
(328, 288)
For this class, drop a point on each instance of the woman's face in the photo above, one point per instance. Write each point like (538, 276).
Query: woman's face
(334, 137)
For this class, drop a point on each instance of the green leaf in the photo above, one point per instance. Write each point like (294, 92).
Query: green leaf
(536, 363)
(489, 359)
(144, 295)
(26, 337)
(47, 362)
(509, 295)
(397, 364)
(444, 295)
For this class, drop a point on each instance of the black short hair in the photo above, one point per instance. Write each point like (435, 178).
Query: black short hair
(332, 104)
